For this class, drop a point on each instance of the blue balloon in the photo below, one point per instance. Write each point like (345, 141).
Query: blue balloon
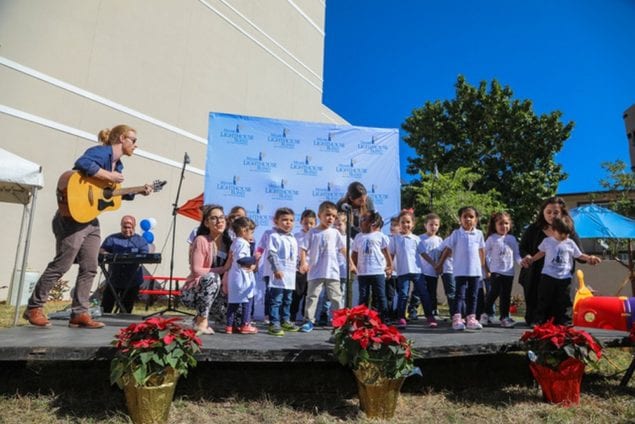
(145, 224)
(148, 236)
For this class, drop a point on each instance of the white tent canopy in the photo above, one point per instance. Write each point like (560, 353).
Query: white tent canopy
(20, 180)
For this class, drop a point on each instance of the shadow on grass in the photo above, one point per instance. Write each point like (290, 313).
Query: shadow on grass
(82, 389)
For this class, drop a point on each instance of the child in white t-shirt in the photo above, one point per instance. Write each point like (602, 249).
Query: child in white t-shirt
(554, 287)
(501, 253)
(321, 245)
(282, 255)
(429, 251)
(467, 246)
(307, 221)
(404, 248)
(373, 262)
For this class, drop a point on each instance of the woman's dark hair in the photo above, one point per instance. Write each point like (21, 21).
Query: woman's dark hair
(554, 200)
(355, 190)
(207, 211)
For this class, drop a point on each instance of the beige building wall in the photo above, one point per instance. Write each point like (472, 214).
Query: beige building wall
(70, 68)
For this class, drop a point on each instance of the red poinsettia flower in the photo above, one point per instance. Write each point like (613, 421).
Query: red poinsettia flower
(552, 344)
(155, 336)
(361, 336)
(340, 317)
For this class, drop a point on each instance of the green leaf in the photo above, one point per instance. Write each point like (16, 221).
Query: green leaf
(140, 374)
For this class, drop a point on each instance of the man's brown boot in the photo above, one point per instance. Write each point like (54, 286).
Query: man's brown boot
(84, 320)
(36, 317)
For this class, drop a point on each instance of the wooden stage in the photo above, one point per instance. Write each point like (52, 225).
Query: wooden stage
(61, 343)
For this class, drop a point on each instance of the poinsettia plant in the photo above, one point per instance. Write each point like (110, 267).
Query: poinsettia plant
(361, 339)
(550, 344)
(148, 350)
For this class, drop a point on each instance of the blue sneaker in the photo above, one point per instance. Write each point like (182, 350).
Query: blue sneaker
(307, 327)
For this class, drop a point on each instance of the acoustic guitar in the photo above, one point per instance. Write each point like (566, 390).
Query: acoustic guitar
(84, 198)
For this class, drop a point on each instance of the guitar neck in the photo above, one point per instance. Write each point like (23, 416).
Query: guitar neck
(129, 190)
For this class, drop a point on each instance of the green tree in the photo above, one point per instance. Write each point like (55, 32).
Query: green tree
(494, 135)
(621, 187)
(444, 194)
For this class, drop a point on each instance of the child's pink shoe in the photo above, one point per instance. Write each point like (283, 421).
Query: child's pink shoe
(432, 323)
(248, 329)
(472, 323)
(457, 323)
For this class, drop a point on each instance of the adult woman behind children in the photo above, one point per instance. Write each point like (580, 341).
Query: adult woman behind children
(534, 234)
(357, 201)
(208, 257)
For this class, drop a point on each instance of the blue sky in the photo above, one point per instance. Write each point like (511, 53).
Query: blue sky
(385, 58)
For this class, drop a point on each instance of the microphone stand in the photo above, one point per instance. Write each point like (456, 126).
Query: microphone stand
(349, 286)
(171, 304)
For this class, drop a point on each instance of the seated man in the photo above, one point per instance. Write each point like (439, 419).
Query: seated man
(124, 278)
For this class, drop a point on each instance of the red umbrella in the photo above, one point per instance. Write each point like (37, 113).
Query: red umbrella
(192, 208)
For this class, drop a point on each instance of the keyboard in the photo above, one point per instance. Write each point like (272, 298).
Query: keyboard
(129, 258)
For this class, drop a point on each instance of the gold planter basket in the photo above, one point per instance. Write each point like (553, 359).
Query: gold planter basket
(150, 404)
(378, 395)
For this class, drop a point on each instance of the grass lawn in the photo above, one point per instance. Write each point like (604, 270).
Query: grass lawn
(80, 393)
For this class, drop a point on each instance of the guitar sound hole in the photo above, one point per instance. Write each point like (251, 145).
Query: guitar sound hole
(107, 193)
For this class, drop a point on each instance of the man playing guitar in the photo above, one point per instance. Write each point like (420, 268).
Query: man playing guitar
(80, 241)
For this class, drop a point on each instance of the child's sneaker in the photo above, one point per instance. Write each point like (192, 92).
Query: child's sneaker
(485, 319)
(457, 323)
(248, 329)
(432, 322)
(229, 329)
(402, 323)
(324, 320)
(275, 330)
(307, 327)
(289, 326)
(472, 323)
(507, 322)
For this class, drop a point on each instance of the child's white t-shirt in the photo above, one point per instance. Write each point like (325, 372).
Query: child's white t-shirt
(240, 282)
(370, 255)
(559, 257)
(502, 252)
(322, 247)
(465, 247)
(285, 248)
(404, 249)
(430, 246)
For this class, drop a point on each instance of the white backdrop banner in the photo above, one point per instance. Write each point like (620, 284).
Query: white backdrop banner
(263, 164)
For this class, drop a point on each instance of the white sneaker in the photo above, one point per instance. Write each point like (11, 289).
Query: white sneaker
(472, 323)
(507, 322)
(485, 319)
